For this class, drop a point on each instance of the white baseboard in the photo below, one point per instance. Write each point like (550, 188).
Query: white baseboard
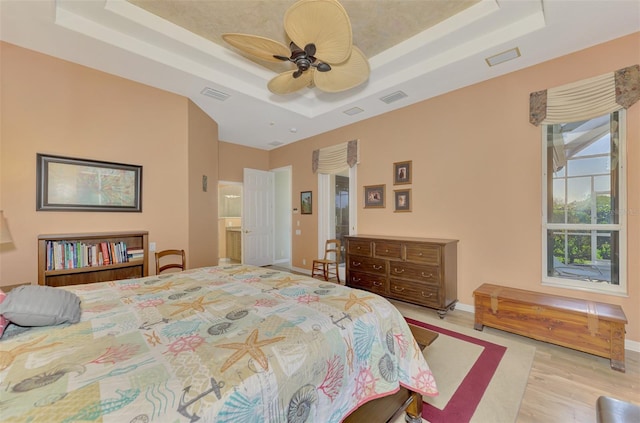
(300, 270)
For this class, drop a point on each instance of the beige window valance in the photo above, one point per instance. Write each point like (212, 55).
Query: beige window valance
(335, 158)
(586, 99)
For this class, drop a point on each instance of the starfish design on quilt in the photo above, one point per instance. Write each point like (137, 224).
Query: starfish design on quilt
(250, 346)
(154, 289)
(197, 305)
(355, 300)
(285, 282)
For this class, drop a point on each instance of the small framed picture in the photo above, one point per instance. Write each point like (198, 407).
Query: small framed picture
(402, 200)
(402, 173)
(374, 196)
(306, 206)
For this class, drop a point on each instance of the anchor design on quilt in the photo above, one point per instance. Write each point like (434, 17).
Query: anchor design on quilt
(182, 408)
(147, 325)
(337, 321)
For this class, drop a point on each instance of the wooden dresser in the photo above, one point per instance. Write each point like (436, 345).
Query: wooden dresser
(421, 271)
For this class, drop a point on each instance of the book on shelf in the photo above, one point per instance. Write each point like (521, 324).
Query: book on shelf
(135, 253)
(76, 254)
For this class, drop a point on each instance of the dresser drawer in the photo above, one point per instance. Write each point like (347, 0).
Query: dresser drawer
(415, 292)
(367, 264)
(359, 247)
(421, 253)
(401, 269)
(388, 250)
(373, 283)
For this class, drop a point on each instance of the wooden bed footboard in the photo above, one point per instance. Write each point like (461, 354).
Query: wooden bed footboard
(384, 409)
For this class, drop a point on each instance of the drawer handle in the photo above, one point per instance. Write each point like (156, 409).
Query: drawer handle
(399, 289)
(386, 251)
(420, 254)
(395, 269)
(356, 279)
(376, 283)
(356, 263)
(376, 267)
(427, 296)
(430, 275)
(358, 247)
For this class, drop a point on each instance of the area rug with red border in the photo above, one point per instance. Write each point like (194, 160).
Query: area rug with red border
(481, 377)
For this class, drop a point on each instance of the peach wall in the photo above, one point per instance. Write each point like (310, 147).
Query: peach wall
(477, 175)
(56, 107)
(203, 205)
(234, 158)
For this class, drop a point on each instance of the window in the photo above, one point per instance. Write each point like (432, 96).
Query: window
(584, 238)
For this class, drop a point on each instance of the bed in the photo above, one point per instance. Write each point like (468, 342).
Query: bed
(220, 344)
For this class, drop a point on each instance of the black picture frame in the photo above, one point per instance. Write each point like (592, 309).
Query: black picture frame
(374, 196)
(306, 202)
(73, 184)
(402, 173)
(402, 200)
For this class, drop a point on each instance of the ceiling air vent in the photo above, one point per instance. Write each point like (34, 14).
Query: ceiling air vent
(390, 98)
(218, 95)
(511, 54)
(275, 143)
(353, 111)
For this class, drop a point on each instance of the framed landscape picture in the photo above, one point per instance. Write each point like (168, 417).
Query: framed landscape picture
(306, 206)
(374, 196)
(402, 173)
(69, 184)
(402, 200)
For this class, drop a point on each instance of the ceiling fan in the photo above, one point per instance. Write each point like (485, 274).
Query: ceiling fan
(321, 48)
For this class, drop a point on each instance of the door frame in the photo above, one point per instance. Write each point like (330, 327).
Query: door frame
(283, 204)
(325, 210)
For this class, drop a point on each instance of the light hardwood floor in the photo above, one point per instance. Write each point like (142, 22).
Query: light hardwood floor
(564, 384)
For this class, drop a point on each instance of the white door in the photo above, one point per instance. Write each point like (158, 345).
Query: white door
(258, 217)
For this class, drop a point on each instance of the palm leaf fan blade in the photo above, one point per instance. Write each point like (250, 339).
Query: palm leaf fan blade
(285, 83)
(345, 75)
(261, 47)
(324, 23)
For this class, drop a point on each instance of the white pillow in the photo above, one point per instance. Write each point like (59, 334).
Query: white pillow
(35, 305)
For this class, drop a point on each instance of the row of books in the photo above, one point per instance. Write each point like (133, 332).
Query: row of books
(76, 254)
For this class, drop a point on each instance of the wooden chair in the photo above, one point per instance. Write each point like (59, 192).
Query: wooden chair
(323, 267)
(177, 263)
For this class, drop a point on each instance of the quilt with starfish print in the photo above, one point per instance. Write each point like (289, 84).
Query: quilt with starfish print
(218, 344)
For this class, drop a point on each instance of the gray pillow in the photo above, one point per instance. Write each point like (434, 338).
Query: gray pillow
(34, 305)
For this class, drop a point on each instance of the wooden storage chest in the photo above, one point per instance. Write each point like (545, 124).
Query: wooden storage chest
(421, 271)
(588, 326)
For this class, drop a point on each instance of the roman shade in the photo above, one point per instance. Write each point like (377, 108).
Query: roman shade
(586, 99)
(335, 158)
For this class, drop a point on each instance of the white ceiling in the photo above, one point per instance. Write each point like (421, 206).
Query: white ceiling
(422, 56)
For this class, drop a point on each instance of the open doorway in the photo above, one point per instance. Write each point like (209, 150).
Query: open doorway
(229, 222)
(337, 211)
